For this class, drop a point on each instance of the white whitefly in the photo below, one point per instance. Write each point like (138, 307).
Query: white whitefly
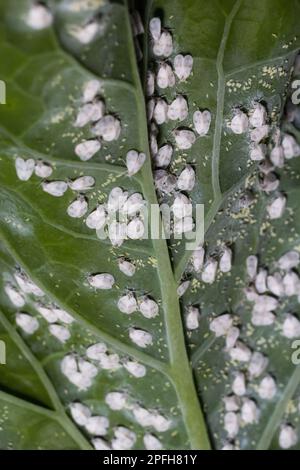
(163, 157)
(63, 316)
(96, 219)
(225, 261)
(231, 424)
(251, 294)
(150, 111)
(232, 403)
(116, 199)
(257, 152)
(232, 336)
(150, 83)
(60, 332)
(148, 307)
(277, 156)
(155, 28)
(87, 149)
(192, 318)
(288, 437)
(178, 109)
(184, 138)
(182, 288)
(257, 365)
(109, 362)
(102, 281)
(259, 133)
(258, 115)
(262, 319)
(126, 267)
(267, 388)
(143, 416)
(90, 90)
(80, 413)
(27, 323)
(291, 284)
(183, 225)
(221, 324)
(43, 170)
(117, 233)
(140, 337)
(16, 297)
(135, 369)
(289, 260)
(55, 188)
(47, 312)
(249, 411)
(239, 384)
(183, 66)
(275, 285)
(151, 442)
(239, 123)
(26, 285)
(100, 444)
(252, 264)
(109, 128)
(163, 46)
(24, 168)
(261, 281)
(277, 207)
(209, 272)
(164, 181)
(133, 205)
(135, 229)
(86, 34)
(160, 423)
(165, 76)
(197, 259)
(290, 147)
(202, 121)
(90, 112)
(269, 183)
(265, 303)
(96, 351)
(127, 304)
(291, 327)
(124, 439)
(187, 178)
(160, 112)
(39, 16)
(78, 208)
(182, 206)
(134, 161)
(116, 400)
(83, 183)
(97, 425)
(240, 352)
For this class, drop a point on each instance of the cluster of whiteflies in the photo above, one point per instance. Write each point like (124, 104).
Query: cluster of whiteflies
(39, 16)
(23, 291)
(160, 111)
(81, 371)
(269, 156)
(122, 215)
(128, 303)
(123, 438)
(210, 266)
(268, 289)
(129, 207)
